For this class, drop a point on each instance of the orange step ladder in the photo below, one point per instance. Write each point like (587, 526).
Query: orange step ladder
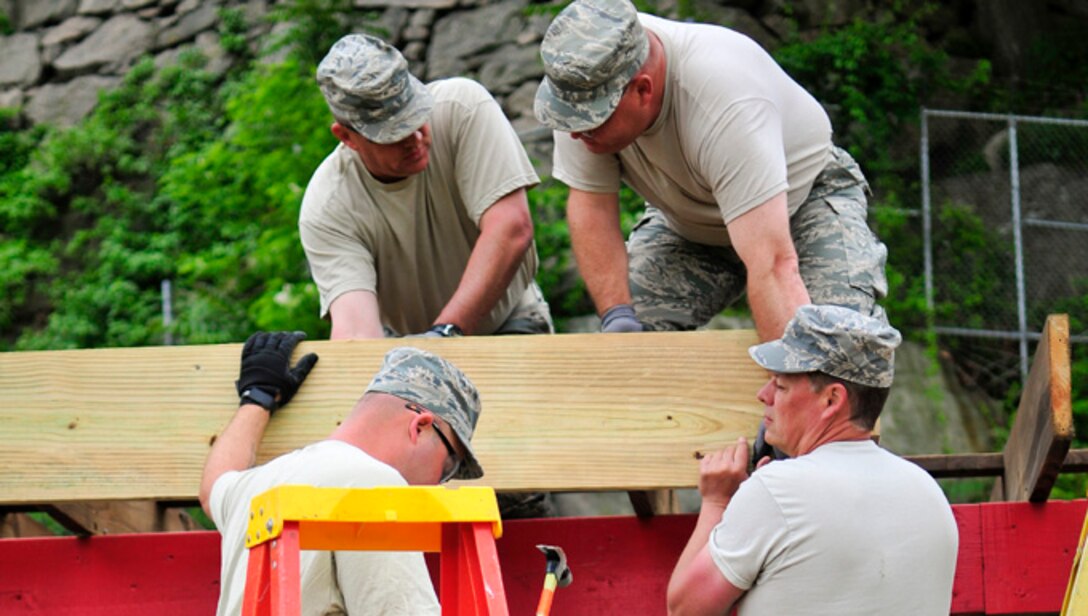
(460, 523)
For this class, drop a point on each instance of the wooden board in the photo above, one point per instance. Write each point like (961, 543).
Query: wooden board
(562, 412)
(1010, 562)
(1043, 429)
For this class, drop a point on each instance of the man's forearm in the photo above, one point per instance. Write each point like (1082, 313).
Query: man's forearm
(598, 246)
(234, 449)
(774, 297)
(490, 269)
(506, 232)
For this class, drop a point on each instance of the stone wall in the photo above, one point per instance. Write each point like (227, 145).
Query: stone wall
(60, 53)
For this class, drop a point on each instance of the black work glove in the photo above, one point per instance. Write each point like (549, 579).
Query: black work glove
(620, 318)
(266, 378)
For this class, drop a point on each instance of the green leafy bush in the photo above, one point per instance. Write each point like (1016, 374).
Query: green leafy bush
(873, 76)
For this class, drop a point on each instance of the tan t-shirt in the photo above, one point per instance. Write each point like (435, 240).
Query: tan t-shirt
(734, 131)
(362, 583)
(409, 241)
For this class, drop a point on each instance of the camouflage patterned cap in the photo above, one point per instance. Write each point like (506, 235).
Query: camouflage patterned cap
(834, 340)
(367, 84)
(428, 380)
(591, 51)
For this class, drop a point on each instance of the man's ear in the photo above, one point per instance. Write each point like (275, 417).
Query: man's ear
(644, 86)
(342, 134)
(835, 398)
(416, 425)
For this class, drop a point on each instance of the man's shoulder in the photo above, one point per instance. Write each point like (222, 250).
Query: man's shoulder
(460, 90)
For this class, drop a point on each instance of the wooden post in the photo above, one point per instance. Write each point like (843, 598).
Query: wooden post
(1043, 429)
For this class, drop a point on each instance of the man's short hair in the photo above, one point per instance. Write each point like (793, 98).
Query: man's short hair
(866, 402)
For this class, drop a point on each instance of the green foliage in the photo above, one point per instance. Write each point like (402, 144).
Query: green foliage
(1057, 76)
(6, 26)
(1049, 143)
(241, 265)
(232, 31)
(84, 200)
(873, 74)
(316, 25)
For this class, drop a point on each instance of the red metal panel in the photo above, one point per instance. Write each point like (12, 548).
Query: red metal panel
(621, 565)
(1028, 553)
(123, 575)
(967, 590)
(1015, 556)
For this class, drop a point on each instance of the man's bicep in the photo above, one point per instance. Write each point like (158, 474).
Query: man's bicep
(762, 234)
(509, 211)
(704, 589)
(355, 314)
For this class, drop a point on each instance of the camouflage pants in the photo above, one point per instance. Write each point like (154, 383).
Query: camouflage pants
(530, 316)
(677, 284)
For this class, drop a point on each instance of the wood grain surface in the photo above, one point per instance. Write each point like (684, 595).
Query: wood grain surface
(563, 412)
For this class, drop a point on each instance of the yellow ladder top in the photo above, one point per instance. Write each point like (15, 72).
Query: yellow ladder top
(405, 518)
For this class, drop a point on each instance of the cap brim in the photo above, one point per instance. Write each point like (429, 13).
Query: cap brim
(406, 121)
(558, 114)
(470, 467)
(777, 356)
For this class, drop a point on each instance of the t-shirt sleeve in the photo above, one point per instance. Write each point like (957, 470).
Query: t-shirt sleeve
(490, 160)
(742, 156)
(752, 533)
(222, 501)
(339, 261)
(579, 168)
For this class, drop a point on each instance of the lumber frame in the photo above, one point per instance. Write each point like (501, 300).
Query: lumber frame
(943, 466)
(1043, 428)
(561, 412)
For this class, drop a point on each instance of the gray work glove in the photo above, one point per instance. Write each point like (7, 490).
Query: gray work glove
(266, 377)
(440, 330)
(620, 318)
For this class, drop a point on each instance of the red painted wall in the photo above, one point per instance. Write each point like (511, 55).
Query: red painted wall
(1014, 559)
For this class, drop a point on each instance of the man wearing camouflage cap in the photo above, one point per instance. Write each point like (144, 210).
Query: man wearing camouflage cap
(842, 527)
(418, 222)
(743, 187)
(413, 426)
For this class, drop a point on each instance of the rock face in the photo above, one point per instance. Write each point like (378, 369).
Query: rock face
(494, 41)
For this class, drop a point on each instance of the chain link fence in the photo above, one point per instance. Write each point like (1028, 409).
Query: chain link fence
(1005, 233)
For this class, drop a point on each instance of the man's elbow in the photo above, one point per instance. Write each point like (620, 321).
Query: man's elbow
(519, 233)
(205, 496)
(674, 598)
